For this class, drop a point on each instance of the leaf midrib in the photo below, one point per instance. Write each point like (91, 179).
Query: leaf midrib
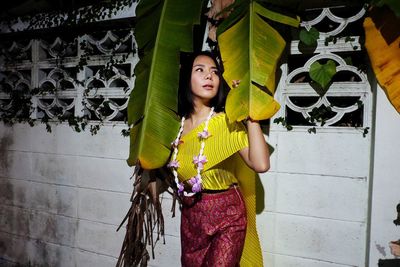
(149, 85)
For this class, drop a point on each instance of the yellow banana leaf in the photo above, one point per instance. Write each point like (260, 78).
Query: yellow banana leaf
(163, 29)
(250, 51)
(385, 60)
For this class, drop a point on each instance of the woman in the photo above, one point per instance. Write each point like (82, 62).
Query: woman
(208, 156)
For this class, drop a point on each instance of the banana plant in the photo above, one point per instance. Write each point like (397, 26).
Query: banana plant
(250, 50)
(163, 29)
(384, 53)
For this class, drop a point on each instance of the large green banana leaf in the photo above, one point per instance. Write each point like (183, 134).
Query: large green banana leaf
(250, 50)
(163, 29)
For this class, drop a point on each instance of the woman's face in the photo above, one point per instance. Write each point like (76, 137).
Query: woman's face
(204, 78)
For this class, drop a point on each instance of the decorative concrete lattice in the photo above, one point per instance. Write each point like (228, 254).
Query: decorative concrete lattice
(349, 96)
(88, 75)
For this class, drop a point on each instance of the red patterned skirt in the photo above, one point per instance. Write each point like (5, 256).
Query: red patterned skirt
(213, 229)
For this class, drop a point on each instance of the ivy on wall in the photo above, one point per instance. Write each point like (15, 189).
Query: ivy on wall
(321, 74)
(20, 107)
(60, 13)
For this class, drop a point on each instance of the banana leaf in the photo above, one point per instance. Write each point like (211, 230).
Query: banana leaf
(250, 50)
(163, 29)
(384, 53)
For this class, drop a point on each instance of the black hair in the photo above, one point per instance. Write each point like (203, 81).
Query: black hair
(185, 95)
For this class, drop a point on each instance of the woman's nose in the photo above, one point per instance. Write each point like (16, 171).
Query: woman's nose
(208, 76)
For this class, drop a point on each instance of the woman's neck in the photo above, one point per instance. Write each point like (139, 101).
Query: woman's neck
(199, 114)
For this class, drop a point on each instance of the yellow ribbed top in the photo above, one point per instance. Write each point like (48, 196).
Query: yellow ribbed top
(223, 142)
(224, 167)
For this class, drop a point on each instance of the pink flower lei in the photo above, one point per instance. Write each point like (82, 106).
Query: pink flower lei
(198, 160)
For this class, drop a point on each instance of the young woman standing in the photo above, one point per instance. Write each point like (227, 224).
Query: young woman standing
(210, 159)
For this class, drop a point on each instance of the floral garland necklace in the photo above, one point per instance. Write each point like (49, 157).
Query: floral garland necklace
(198, 160)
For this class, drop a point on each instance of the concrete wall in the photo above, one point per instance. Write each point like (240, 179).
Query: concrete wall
(316, 199)
(386, 180)
(62, 195)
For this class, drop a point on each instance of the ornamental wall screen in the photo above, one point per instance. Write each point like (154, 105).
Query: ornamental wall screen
(348, 98)
(71, 72)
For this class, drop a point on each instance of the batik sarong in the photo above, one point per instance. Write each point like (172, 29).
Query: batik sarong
(213, 229)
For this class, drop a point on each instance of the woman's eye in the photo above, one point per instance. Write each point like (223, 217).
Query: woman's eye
(199, 69)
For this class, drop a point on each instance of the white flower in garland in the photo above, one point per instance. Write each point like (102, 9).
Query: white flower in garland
(203, 134)
(198, 160)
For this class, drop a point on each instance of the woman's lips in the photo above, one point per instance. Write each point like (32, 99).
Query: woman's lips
(208, 86)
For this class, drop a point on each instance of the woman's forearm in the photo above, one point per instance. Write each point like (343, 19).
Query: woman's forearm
(258, 153)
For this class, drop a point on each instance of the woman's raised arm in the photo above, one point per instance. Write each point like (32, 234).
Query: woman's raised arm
(256, 155)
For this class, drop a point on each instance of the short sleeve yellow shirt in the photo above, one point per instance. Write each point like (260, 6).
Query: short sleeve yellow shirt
(224, 141)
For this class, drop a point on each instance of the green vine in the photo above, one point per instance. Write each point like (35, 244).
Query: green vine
(20, 107)
(317, 116)
(283, 121)
(321, 74)
(75, 15)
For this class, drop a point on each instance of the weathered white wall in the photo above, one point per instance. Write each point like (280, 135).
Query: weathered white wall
(316, 199)
(62, 195)
(386, 180)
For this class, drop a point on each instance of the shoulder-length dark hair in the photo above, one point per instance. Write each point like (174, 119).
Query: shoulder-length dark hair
(185, 95)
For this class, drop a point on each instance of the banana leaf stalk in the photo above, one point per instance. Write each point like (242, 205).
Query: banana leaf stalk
(250, 49)
(164, 29)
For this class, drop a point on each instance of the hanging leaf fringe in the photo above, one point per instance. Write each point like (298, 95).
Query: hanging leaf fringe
(145, 217)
